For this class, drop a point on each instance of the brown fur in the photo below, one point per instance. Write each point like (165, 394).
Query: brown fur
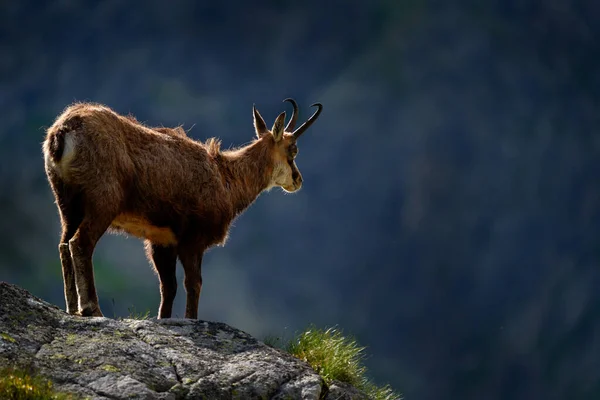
(110, 172)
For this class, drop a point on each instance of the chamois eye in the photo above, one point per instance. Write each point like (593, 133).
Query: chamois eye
(293, 150)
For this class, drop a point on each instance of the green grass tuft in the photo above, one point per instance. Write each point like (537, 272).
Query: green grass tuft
(337, 357)
(332, 355)
(19, 385)
(133, 314)
(380, 392)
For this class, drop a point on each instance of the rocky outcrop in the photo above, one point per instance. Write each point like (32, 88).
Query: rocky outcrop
(102, 358)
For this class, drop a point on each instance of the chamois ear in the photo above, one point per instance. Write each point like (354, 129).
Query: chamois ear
(259, 124)
(279, 127)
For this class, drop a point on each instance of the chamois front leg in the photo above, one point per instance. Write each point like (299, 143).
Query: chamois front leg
(164, 260)
(192, 266)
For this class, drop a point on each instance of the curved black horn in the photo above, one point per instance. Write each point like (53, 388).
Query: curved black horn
(290, 126)
(310, 121)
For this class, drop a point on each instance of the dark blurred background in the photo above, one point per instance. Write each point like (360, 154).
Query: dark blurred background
(450, 215)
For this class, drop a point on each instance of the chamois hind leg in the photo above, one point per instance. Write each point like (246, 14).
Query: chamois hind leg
(70, 218)
(95, 222)
(69, 202)
(192, 266)
(164, 260)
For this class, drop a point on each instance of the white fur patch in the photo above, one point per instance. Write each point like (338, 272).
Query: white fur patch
(69, 150)
(279, 174)
(68, 153)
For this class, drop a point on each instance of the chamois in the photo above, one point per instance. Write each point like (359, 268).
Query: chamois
(109, 172)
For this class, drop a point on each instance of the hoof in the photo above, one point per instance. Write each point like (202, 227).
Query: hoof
(90, 312)
(72, 310)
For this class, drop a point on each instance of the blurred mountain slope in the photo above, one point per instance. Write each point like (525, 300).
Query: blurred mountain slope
(451, 210)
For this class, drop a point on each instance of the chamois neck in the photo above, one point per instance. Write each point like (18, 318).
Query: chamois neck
(247, 173)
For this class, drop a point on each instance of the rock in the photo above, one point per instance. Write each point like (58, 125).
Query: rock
(102, 358)
(344, 391)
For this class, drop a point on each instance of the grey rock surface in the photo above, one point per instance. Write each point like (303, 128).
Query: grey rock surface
(102, 358)
(344, 391)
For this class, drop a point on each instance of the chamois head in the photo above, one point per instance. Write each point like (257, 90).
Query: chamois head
(283, 141)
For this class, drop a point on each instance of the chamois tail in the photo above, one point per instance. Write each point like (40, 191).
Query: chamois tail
(59, 146)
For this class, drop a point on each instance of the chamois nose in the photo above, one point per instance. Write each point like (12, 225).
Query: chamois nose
(297, 178)
(295, 175)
